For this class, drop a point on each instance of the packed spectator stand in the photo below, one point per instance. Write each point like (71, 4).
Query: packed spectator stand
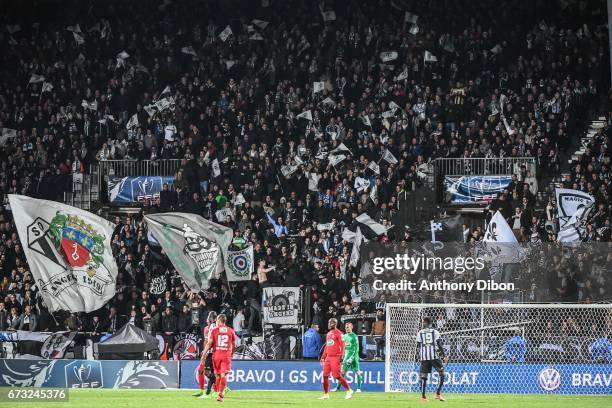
(506, 79)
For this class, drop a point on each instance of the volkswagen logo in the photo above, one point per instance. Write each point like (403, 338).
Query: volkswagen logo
(550, 379)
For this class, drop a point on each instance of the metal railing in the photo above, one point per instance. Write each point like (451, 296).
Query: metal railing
(125, 168)
(482, 166)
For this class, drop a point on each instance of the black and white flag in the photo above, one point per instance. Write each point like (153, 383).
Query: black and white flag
(575, 228)
(569, 202)
(389, 157)
(195, 246)
(370, 227)
(281, 305)
(498, 230)
(240, 265)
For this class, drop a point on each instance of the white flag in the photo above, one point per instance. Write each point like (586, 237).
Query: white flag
(164, 104)
(123, 55)
(313, 181)
(224, 35)
(260, 23)
(34, 79)
(497, 49)
(361, 184)
(569, 202)
(318, 87)
(340, 149)
(374, 167)
(328, 102)
(498, 230)
(216, 168)
(256, 37)
(305, 115)
(574, 229)
(388, 114)
(150, 109)
(69, 253)
(368, 222)
(403, 75)
(133, 122)
(358, 240)
(189, 50)
(366, 121)
(389, 157)
(240, 265)
(414, 29)
(334, 160)
(326, 227)
(388, 56)
(288, 170)
(429, 57)
(46, 87)
(165, 91)
(374, 194)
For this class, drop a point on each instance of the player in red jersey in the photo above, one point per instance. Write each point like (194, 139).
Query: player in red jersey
(332, 359)
(222, 340)
(205, 369)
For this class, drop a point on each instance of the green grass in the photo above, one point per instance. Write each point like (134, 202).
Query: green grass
(307, 399)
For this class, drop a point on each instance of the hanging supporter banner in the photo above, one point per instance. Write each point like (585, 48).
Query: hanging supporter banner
(474, 189)
(130, 190)
(69, 252)
(281, 305)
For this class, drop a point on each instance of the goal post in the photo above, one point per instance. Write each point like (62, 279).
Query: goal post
(504, 348)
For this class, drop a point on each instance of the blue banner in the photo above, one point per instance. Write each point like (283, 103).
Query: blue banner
(139, 374)
(130, 190)
(473, 189)
(460, 377)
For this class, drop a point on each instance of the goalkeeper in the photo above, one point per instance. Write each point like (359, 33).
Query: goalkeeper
(351, 355)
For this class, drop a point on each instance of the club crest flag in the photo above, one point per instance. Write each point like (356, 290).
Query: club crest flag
(281, 305)
(239, 265)
(195, 246)
(69, 252)
(569, 202)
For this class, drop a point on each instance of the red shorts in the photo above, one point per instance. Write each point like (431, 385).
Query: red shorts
(333, 365)
(222, 365)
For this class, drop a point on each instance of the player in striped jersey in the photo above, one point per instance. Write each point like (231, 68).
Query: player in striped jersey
(431, 354)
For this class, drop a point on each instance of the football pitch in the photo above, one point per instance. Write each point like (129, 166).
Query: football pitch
(264, 399)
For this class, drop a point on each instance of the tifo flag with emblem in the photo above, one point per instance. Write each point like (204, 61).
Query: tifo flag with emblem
(195, 246)
(498, 230)
(239, 265)
(569, 202)
(69, 252)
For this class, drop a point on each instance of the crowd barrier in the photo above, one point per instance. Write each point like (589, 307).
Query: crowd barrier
(306, 376)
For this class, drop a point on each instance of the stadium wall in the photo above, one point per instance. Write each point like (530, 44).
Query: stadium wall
(461, 377)
(305, 375)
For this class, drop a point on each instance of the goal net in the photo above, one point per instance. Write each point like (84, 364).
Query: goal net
(504, 348)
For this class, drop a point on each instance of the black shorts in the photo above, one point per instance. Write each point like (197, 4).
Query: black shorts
(208, 364)
(426, 365)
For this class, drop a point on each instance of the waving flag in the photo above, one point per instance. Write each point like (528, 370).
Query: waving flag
(196, 247)
(69, 252)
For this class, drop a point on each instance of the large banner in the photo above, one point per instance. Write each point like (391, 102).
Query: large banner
(281, 305)
(89, 374)
(69, 252)
(473, 189)
(462, 378)
(196, 247)
(130, 190)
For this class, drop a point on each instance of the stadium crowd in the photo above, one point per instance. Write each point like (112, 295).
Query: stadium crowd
(481, 79)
